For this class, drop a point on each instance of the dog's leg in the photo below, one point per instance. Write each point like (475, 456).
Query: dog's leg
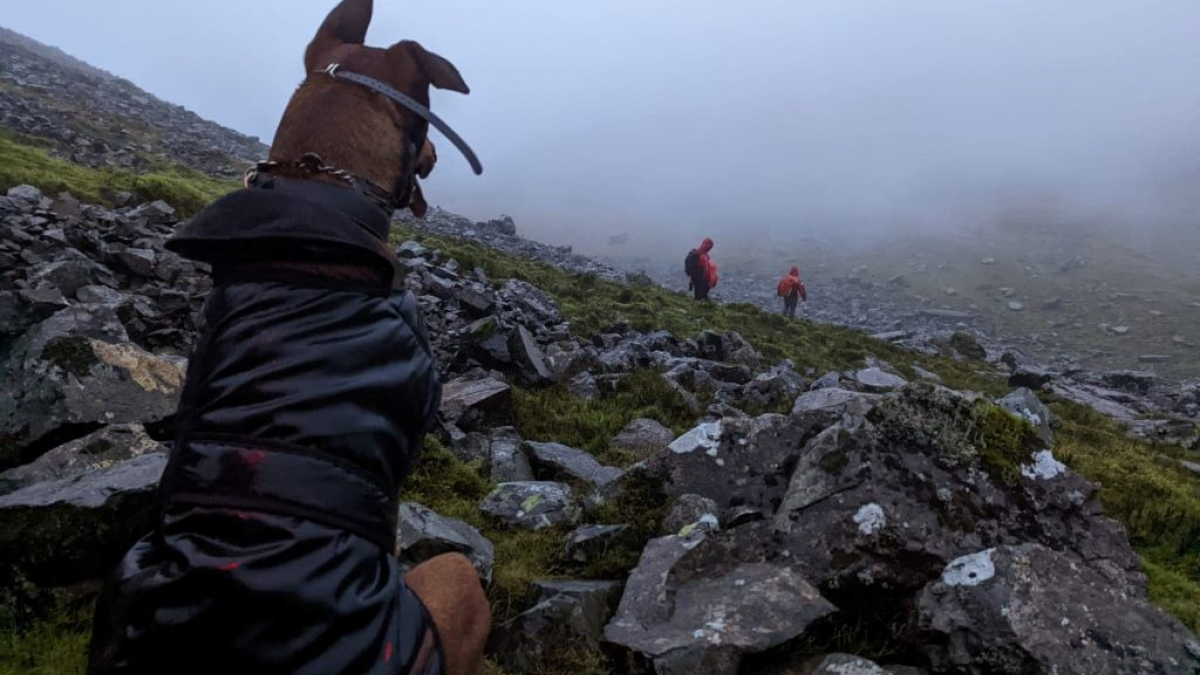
(451, 591)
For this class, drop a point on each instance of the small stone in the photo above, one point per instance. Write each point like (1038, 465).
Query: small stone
(531, 505)
(1016, 306)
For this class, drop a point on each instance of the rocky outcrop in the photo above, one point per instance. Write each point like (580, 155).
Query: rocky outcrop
(95, 119)
(422, 534)
(61, 532)
(532, 505)
(567, 616)
(691, 606)
(1028, 609)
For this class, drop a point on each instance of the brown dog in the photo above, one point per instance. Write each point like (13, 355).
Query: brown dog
(362, 132)
(354, 128)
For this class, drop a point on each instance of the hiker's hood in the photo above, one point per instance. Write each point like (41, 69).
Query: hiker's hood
(706, 245)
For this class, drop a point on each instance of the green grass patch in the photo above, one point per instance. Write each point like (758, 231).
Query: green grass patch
(552, 414)
(1145, 488)
(23, 163)
(56, 646)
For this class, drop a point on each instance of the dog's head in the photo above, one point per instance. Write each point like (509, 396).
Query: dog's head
(354, 128)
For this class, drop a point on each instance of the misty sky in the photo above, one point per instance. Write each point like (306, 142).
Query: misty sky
(683, 118)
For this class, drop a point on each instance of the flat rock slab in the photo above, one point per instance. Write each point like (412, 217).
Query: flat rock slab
(589, 542)
(476, 404)
(877, 380)
(643, 435)
(1029, 609)
(99, 450)
(566, 615)
(64, 531)
(423, 534)
(531, 505)
(556, 461)
(704, 623)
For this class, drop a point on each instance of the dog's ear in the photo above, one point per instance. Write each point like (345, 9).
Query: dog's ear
(346, 25)
(416, 201)
(441, 73)
(426, 159)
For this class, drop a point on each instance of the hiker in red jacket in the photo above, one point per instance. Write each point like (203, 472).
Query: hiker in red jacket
(792, 290)
(701, 270)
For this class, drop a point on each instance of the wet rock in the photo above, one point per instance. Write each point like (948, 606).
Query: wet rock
(643, 436)
(99, 450)
(423, 534)
(411, 249)
(1028, 609)
(507, 461)
(682, 621)
(877, 380)
(827, 381)
(74, 373)
(690, 513)
(555, 461)
(843, 664)
(1016, 306)
(1024, 403)
(584, 386)
(567, 615)
(25, 193)
(727, 346)
(530, 360)
(1097, 399)
(477, 404)
(1129, 380)
(732, 461)
(531, 505)
(138, 261)
(966, 345)
(60, 532)
(1030, 377)
(590, 542)
(885, 506)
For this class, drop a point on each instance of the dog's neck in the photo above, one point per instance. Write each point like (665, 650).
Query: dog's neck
(363, 137)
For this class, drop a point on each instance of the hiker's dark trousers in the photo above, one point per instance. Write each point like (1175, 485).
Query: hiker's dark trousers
(789, 305)
(700, 289)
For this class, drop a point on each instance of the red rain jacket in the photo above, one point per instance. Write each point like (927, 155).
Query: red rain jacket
(791, 284)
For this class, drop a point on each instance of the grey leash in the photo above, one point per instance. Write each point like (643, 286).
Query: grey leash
(407, 101)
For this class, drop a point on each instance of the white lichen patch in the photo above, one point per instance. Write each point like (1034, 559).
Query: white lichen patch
(706, 437)
(870, 519)
(1044, 467)
(970, 570)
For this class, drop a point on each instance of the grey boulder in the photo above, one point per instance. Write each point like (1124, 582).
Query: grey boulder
(683, 621)
(531, 505)
(1022, 609)
(555, 461)
(423, 534)
(567, 617)
(60, 532)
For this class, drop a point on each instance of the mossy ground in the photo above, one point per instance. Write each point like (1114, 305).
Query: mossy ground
(23, 162)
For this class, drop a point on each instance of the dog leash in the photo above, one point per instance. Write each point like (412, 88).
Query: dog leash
(333, 70)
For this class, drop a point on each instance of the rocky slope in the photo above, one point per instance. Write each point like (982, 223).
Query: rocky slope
(96, 119)
(802, 515)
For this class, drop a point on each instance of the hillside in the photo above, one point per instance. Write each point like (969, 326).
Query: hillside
(98, 120)
(644, 483)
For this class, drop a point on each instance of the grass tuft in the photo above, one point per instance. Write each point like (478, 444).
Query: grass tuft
(23, 163)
